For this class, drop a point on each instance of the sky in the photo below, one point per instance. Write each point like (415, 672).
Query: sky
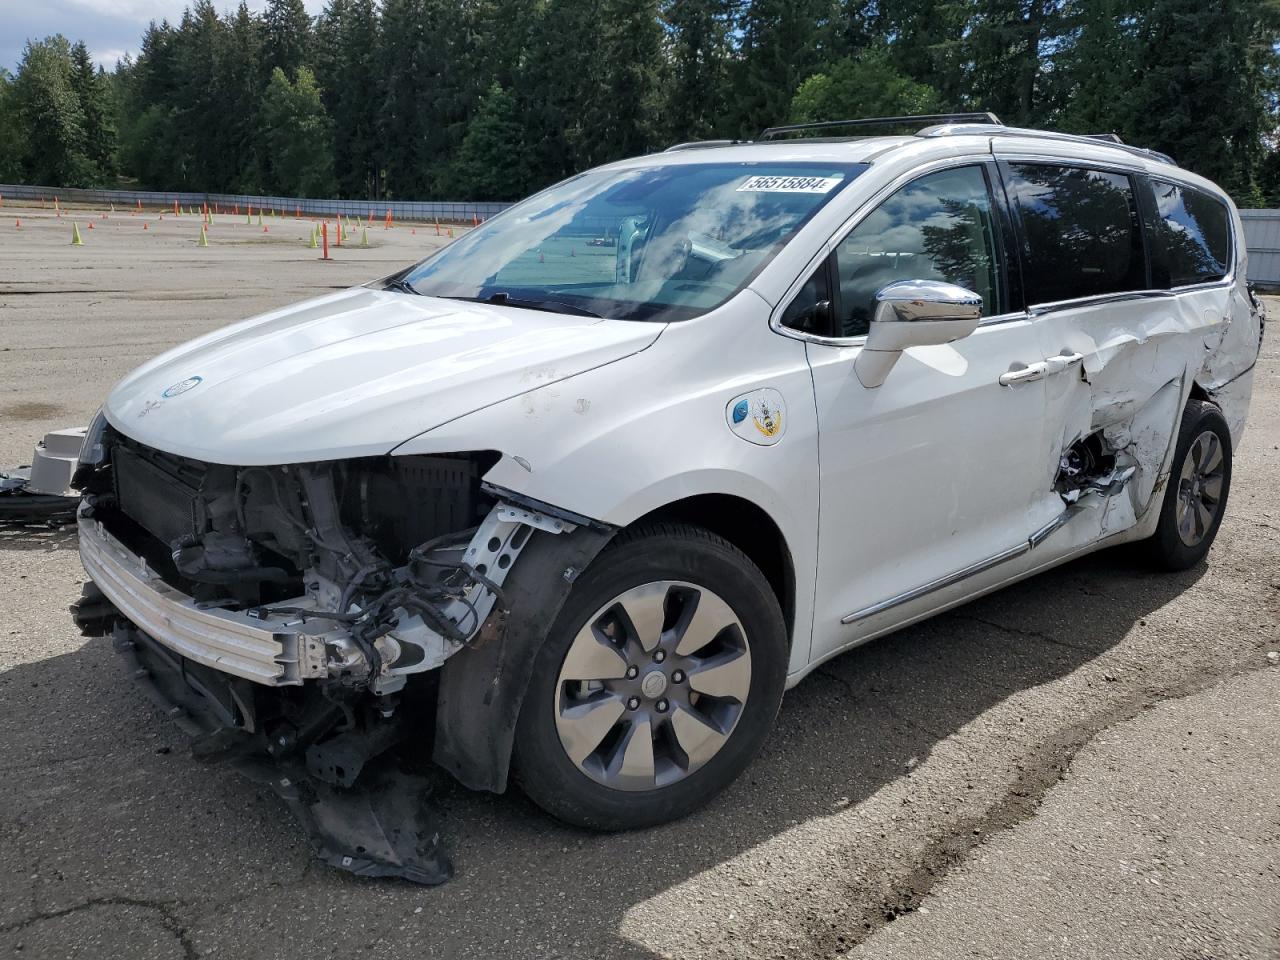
(110, 28)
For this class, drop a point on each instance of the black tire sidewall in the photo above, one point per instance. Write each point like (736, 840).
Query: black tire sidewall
(1166, 547)
(667, 552)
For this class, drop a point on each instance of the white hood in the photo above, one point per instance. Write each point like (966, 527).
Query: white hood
(353, 374)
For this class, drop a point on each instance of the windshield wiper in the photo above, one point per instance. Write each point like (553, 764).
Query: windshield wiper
(504, 299)
(402, 285)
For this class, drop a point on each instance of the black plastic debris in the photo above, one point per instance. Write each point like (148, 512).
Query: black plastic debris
(21, 506)
(381, 826)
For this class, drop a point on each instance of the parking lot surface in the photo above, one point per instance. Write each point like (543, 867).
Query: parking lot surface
(1081, 765)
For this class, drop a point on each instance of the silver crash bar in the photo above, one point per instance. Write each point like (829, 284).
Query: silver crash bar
(275, 651)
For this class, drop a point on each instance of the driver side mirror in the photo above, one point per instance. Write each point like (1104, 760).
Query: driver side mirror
(914, 313)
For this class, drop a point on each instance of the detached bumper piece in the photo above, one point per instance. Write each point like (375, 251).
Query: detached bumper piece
(382, 827)
(42, 493)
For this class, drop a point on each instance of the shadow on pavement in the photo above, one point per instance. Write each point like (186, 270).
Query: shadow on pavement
(105, 810)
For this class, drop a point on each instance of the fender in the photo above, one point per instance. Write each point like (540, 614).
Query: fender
(482, 687)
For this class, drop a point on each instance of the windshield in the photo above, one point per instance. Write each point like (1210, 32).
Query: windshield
(651, 243)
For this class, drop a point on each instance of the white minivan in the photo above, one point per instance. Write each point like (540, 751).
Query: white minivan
(576, 498)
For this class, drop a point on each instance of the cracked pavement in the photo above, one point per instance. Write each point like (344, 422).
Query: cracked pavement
(1007, 779)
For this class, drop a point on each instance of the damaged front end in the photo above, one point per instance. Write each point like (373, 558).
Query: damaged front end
(293, 619)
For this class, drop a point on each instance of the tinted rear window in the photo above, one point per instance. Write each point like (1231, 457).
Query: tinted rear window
(1191, 236)
(1080, 229)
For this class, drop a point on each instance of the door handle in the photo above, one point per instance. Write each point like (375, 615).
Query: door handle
(1032, 371)
(1040, 369)
(1063, 361)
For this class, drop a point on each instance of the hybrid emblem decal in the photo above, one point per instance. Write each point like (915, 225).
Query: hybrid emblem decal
(758, 417)
(180, 388)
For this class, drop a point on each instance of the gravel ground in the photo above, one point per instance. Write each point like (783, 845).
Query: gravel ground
(1020, 768)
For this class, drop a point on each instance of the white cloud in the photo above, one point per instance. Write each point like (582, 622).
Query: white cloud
(107, 58)
(144, 11)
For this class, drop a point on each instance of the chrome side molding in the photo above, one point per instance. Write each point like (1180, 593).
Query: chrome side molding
(1026, 546)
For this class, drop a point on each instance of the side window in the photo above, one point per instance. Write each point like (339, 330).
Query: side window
(940, 227)
(810, 311)
(1191, 236)
(1080, 230)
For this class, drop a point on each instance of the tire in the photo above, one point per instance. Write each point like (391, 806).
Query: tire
(698, 742)
(1196, 495)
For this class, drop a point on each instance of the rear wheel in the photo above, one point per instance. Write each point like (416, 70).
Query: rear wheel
(1199, 481)
(657, 684)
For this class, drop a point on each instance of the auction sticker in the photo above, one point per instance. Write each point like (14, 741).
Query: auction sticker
(773, 184)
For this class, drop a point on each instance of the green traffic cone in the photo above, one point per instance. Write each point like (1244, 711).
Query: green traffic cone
(204, 237)
(314, 231)
(75, 236)
(364, 237)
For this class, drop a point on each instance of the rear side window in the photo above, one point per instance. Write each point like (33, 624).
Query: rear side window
(1191, 236)
(1080, 232)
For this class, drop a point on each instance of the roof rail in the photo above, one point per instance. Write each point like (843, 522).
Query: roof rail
(923, 119)
(702, 144)
(986, 130)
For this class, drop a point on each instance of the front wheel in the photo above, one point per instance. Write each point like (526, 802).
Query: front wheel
(1199, 481)
(657, 684)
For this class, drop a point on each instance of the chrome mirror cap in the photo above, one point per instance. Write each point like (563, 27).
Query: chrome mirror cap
(907, 301)
(914, 313)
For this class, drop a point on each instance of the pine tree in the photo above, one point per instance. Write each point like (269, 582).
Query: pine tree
(700, 50)
(620, 115)
(95, 95)
(556, 84)
(241, 86)
(351, 77)
(781, 44)
(1205, 77)
(1097, 70)
(288, 35)
(404, 50)
(1013, 46)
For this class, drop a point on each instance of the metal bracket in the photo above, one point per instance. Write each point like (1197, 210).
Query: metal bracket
(491, 554)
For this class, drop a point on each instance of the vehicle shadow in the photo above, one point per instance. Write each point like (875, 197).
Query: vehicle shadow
(101, 798)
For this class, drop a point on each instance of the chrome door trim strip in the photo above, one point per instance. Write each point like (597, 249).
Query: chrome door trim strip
(1026, 546)
(931, 586)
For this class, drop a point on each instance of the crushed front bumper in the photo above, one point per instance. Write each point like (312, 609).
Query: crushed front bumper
(273, 651)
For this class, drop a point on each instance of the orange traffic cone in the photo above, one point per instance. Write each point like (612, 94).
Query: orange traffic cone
(145, 225)
(90, 224)
(17, 224)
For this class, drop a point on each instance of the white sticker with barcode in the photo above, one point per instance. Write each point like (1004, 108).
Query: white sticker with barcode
(776, 184)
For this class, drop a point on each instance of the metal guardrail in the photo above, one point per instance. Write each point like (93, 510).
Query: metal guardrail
(421, 210)
(1261, 227)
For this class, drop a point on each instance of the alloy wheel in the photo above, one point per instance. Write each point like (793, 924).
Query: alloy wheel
(653, 685)
(1200, 488)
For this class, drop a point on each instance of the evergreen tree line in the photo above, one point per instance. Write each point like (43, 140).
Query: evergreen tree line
(491, 99)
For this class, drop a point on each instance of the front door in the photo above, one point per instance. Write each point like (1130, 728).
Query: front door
(942, 469)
